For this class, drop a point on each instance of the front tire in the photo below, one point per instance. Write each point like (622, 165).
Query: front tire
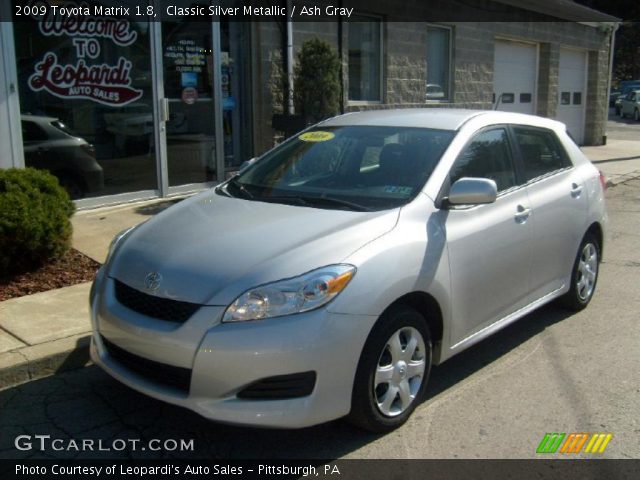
(584, 275)
(392, 372)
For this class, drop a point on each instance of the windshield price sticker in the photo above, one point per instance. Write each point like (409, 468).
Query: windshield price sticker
(318, 136)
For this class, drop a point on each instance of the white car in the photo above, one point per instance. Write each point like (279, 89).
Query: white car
(327, 277)
(630, 105)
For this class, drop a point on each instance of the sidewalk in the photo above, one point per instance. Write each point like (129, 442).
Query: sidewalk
(619, 160)
(48, 332)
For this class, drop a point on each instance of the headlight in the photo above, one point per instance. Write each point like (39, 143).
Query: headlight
(294, 295)
(116, 240)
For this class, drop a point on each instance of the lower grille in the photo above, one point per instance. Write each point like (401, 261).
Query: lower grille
(281, 387)
(176, 377)
(152, 306)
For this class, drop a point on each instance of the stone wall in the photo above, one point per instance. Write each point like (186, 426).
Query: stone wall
(405, 64)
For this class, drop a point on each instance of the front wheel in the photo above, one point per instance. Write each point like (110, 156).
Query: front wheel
(393, 371)
(584, 275)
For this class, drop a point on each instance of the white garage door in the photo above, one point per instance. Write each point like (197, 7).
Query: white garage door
(514, 76)
(572, 81)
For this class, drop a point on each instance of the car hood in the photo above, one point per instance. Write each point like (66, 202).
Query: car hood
(211, 248)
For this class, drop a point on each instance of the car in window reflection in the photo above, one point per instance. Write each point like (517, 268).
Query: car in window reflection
(50, 145)
(328, 276)
(434, 92)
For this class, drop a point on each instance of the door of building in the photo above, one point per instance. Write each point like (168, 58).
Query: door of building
(514, 76)
(572, 85)
(201, 107)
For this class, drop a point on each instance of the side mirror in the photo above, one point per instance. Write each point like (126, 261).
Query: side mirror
(472, 191)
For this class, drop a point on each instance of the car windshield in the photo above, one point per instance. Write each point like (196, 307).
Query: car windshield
(360, 168)
(62, 127)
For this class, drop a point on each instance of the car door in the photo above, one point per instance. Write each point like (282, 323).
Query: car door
(34, 139)
(489, 246)
(558, 200)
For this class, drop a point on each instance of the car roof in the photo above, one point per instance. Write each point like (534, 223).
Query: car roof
(436, 118)
(38, 118)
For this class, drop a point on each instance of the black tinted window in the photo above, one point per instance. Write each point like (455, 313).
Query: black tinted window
(487, 156)
(32, 132)
(541, 152)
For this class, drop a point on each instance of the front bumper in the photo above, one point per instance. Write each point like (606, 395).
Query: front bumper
(224, 358)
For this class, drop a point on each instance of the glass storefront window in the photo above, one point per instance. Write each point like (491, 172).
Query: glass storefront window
(90, 97)
(187, 51)
(438, 62)
(365, 59)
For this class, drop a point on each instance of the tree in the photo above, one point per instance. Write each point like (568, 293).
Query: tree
(316, 84)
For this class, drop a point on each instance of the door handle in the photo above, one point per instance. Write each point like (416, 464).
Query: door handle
(522, 214)
(164, 109)
(576, 190)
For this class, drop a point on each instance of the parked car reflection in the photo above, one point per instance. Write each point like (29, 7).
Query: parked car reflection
(50, 145)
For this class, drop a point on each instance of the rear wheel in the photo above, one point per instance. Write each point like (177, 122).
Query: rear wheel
(393, 371)
(585, 274)
(636, 115)
(71, 184)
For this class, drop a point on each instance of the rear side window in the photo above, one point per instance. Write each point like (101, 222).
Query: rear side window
(541, 152)
(32, 132)
(487, 156)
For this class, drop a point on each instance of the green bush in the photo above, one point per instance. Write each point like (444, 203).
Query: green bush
(34, 219)
(316, 85)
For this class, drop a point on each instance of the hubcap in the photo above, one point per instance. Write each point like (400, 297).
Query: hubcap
(400, 371)
(587, 271)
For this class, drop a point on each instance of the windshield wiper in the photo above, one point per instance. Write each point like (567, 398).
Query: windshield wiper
(338, 201)
(308, 201)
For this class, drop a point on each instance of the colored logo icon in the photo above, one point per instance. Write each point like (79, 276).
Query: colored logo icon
(574, 443)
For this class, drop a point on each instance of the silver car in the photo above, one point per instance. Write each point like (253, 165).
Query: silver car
(329, 276)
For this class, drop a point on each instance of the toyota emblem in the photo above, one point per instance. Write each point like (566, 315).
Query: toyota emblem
(152, 281)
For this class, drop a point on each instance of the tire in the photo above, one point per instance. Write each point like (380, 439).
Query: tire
(72, 185)
(584, 275)
(390, 382)
(618, 112)
(636, 115)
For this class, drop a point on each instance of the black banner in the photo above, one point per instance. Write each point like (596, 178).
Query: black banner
(81, 12)
(338, 469)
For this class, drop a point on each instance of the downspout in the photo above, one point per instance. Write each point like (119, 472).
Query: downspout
(612, 43)
(289, 37)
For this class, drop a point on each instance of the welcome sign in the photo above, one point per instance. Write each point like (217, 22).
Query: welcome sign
(108, 84)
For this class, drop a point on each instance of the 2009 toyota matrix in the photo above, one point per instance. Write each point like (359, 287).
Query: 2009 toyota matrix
(328, 276)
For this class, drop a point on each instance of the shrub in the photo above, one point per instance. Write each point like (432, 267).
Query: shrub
(34, 219)
(316, 86)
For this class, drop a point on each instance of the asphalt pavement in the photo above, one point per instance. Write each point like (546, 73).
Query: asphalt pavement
(553, 371)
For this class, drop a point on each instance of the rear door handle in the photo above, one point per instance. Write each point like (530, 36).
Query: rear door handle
(522, 214)
(576, 190)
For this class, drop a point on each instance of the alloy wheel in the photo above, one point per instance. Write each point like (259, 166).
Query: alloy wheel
(587, 271)
(400, 371)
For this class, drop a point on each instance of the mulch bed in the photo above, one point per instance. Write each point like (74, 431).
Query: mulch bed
(71, 269)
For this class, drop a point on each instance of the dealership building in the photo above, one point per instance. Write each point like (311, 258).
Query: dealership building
(122, 109)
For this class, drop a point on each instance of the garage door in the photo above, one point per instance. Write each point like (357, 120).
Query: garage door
(514, 76)
(572, 78)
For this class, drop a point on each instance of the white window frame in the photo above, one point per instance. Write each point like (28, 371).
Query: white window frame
(379, 19)
(449, 90)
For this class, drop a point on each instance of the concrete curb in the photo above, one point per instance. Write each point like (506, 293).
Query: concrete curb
(614, 180)
(30, 363)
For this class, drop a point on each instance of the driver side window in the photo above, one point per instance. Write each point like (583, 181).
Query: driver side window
(487, 156)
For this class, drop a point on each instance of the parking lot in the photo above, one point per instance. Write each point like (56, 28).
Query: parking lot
(550, 372)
